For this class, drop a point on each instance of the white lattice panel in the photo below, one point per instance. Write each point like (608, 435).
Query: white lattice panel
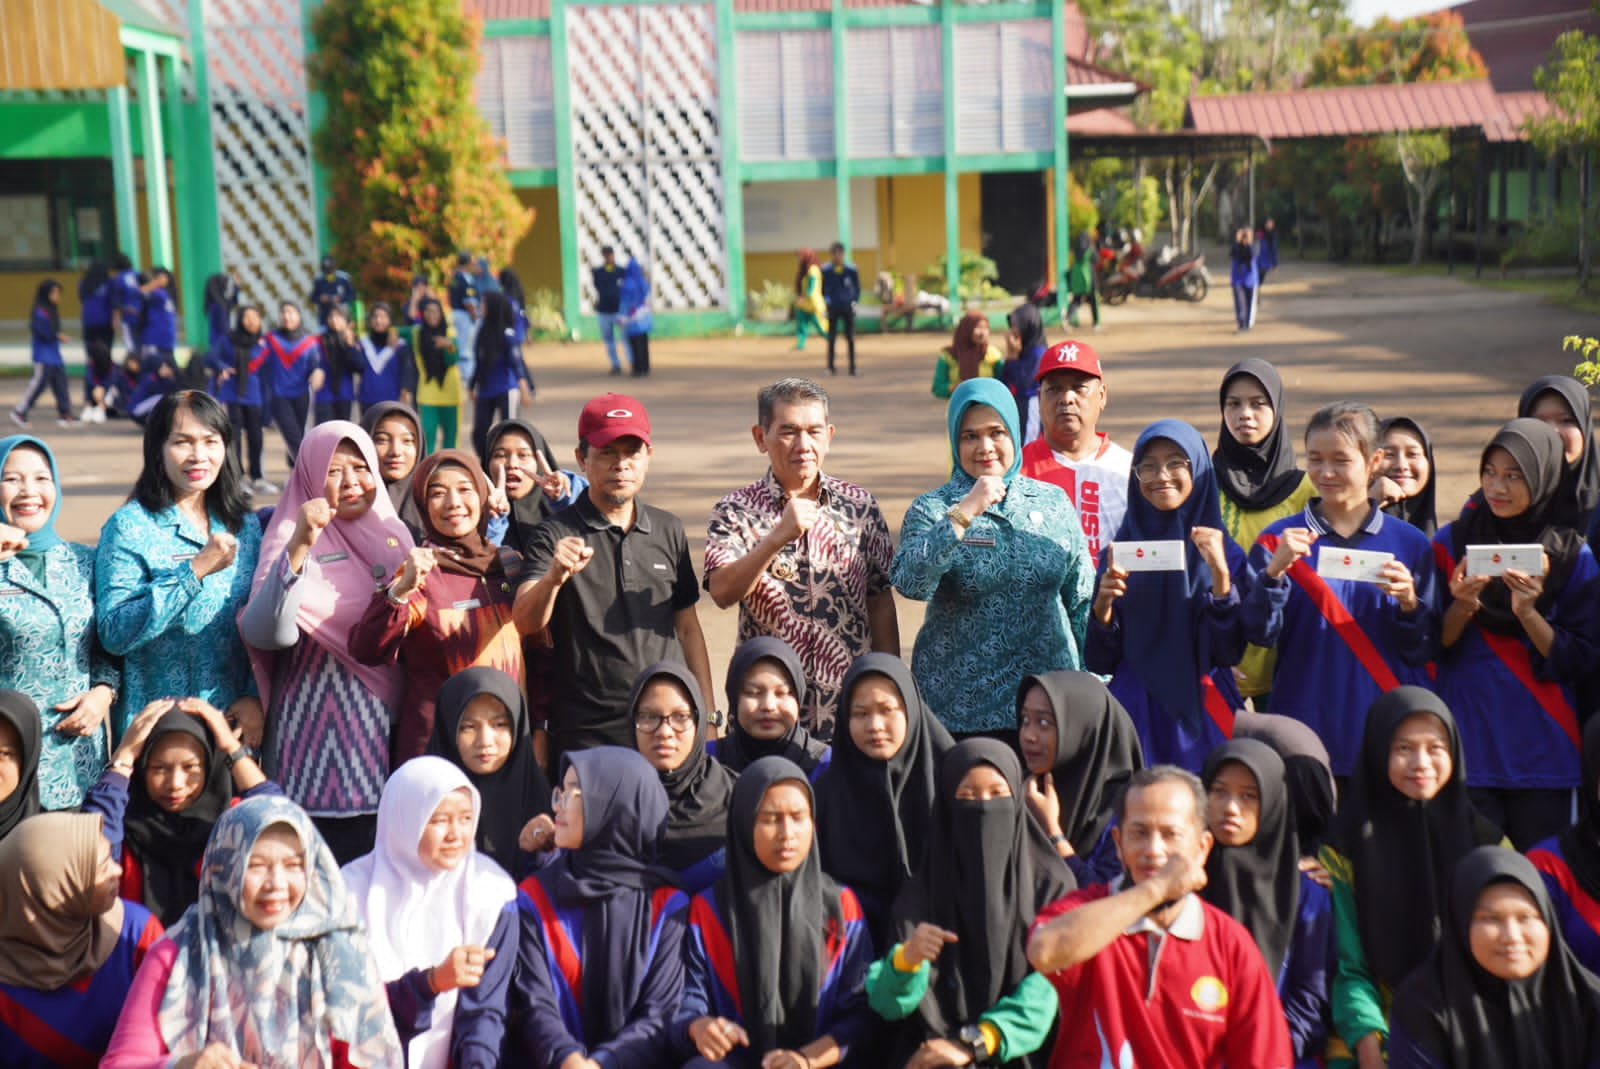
(261, 145)
(647, 146)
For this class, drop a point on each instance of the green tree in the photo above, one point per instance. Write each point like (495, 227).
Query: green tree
(413, 171)
(1570, 81)
(1262, 45)
(1153, 44)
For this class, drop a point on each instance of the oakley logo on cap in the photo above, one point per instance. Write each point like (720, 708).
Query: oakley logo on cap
(619, 413)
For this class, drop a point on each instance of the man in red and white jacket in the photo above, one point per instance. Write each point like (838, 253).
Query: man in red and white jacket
(1149, 975)
(1069, 450)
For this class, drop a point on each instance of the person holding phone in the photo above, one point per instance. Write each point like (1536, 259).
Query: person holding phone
(1516, 644)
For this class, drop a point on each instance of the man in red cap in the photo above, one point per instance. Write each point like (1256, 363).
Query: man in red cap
(613, 580)
(1070, 450)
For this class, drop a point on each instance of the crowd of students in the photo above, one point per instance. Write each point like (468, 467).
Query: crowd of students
(1200, 757)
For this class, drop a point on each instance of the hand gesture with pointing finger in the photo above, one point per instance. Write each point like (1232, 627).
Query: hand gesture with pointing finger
(552, 481)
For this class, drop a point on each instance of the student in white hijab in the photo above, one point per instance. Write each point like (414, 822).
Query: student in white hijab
(442, 918)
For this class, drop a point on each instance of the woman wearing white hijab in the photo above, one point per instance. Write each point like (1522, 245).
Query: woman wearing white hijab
(442, 918)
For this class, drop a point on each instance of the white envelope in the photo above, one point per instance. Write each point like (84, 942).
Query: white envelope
(1495, 559)
(1158, 556)
(1362, 565)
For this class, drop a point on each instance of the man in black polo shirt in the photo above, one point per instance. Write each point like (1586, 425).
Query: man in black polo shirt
(612, 579)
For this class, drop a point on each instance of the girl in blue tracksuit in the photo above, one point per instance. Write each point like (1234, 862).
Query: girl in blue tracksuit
(1246, 277)
(96, 293)
(127, 298)
(341, 364)
(1515, 646)
(237, 363)
(1170, 639)
(1341, 642)
(44, 329)
(499, 374)
(387, 370)
(294, 373)
(776, 952)
(158, 320)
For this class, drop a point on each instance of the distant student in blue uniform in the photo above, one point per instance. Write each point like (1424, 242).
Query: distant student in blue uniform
(841, 289)
(388, 372)
(1170, 639)
(237, 364)
(96, 296)
(607, 279)
(500, 379)
(1245, 276)
(331, 289)
(466, 304)
(1515, 646)
(776, 951)
(341, 367)
(127, 299)
(600, 963)
(158, 321)
(1342, 642)
(294, 373)
(44, 330)
(221, 298)
(1253, 875)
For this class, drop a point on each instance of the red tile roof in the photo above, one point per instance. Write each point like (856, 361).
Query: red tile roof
(1349, 111)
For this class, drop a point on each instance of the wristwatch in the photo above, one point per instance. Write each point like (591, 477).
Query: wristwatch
(972, 1038)
(957, 517)
(716, 718)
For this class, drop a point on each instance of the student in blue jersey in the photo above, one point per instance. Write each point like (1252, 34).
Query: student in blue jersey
(237, 363)
(635, 317)
(331, 289)
(1253, 875)
(1079, 748)
(69, 947)
(1245, 275)
(1170, 639)
(96, 297)
(1342, 642)
(341, 367)
(607, 282)
(158, 318)
(775, 951)
(221, 299)
(958, 977)
(1570, 862)
(1514, 646)
(766, 688)
(500, 382)
(127, 299)
(386, 368)
(670, 728)
(49, 369)
(600, 961)
(511, 286)
(294, 373)
(441, 917)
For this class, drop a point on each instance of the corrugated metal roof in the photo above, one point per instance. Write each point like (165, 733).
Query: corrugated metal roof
(494, 10)
(1350, 111)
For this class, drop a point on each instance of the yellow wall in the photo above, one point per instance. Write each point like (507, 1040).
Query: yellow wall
(537, 259)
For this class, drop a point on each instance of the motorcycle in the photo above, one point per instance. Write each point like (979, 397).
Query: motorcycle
(1168, 275)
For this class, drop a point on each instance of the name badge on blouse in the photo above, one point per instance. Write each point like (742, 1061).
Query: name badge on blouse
(332, 558)
(468, 605)
(11, 591)
(179, 558)
(986, 541)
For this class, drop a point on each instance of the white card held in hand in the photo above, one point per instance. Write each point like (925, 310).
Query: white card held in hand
(1161, 556)
(1362, 565)
(1496, 560)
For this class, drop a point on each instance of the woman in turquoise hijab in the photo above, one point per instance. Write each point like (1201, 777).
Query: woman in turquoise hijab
(47, 635)
(1003, 564)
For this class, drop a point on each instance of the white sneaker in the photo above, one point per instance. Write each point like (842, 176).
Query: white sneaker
(262, 486)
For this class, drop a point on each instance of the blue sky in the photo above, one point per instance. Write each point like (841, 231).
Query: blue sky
(1364, 11)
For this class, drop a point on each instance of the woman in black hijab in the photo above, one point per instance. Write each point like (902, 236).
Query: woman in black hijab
(1519, 723)
(517, 448)
(796, 939)
(1408, 464)
(1079, 747)
(1570, 862)
(766, 688)
(669, 729)
(600, 972)
(396, 433)
(1502, 991)
(1253, 875)
(1313, 795)
(480, 725)
(1563, 402)
(875, 801)
(19, 759)
(1405, 823)
(959, 974)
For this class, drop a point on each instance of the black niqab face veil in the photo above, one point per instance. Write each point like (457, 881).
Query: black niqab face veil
(1461, 1015)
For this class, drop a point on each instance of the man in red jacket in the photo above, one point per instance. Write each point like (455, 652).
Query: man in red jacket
(1149, 975)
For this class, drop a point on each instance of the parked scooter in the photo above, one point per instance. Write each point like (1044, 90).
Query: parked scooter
(1167, 275)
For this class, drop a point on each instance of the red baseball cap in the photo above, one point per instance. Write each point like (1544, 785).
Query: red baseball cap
(611, 416)
(1069, 355)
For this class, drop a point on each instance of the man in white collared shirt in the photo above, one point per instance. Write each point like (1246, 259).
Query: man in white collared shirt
(1148, 974)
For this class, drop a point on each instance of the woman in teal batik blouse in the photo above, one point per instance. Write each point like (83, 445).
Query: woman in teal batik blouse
(1003, 564)
(174, 566)
(47, 637)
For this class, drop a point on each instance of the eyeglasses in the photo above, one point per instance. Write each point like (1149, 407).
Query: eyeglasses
(561, 797)
(1149, 471)
(650, 723)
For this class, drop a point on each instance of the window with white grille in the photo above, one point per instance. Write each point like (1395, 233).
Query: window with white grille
(895, 96)
(785, 94)
(516, 97)
(1003, 87)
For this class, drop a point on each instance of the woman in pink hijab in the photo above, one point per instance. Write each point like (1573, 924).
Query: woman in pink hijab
(334, 539)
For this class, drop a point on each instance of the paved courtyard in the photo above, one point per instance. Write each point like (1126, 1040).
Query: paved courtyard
(1451, 355)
